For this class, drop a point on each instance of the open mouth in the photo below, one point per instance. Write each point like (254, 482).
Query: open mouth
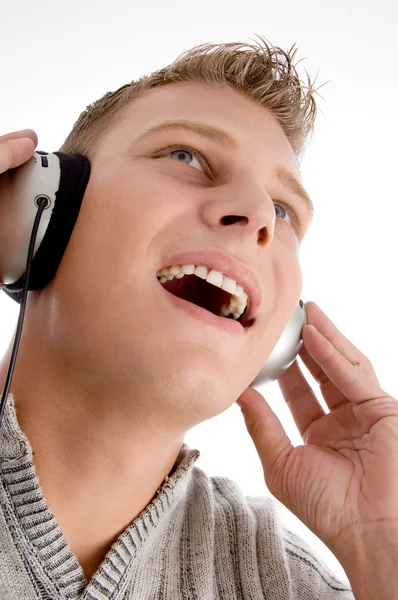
(198, 291)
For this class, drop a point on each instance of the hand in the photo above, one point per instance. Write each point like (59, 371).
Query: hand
(16, 148)
(344, 479)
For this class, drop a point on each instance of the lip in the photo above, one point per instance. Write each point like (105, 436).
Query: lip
(229, 266)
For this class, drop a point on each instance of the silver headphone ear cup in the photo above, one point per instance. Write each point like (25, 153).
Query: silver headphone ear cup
(36, 178)
(286, 349)
(62, 179)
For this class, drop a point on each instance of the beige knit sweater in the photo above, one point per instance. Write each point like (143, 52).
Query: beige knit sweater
(201, 538)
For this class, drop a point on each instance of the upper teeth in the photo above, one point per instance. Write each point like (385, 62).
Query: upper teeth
(238, 301)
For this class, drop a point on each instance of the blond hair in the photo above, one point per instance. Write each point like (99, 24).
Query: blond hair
(260, 71)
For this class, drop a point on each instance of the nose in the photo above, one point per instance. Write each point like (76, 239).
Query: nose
(243, 209)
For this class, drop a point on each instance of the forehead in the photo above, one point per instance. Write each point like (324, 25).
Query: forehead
(255, 129)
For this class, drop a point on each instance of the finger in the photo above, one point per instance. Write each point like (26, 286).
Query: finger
(300, 398)
(332, 396)
(352, 381)
(22, 133)
(324, 325)
(272, 444)
(14, 153)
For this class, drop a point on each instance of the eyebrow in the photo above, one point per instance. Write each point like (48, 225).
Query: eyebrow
(227, 141)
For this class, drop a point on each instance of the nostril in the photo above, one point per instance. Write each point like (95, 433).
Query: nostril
(262, 234)
(231, 219)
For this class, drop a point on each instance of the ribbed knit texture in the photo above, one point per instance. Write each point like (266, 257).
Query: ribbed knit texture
(199, 539)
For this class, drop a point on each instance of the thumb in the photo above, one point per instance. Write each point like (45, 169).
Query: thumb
(272, 444)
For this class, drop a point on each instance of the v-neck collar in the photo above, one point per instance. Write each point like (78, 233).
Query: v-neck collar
(38, 534)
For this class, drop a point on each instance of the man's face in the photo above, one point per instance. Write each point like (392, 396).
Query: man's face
(144, 203)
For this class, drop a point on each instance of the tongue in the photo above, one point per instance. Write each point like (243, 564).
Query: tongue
(199, 292)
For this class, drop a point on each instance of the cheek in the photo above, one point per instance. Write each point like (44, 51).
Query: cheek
(133, 200)
(121, 215)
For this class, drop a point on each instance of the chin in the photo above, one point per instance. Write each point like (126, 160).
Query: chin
(210, 390)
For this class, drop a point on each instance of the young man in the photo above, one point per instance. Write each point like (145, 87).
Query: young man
(197, 164)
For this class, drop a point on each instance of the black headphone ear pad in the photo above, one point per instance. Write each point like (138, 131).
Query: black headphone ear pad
(75, 174)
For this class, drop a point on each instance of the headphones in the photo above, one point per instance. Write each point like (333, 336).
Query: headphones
(37, 217)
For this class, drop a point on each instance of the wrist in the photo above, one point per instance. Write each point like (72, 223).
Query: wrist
(369, 557)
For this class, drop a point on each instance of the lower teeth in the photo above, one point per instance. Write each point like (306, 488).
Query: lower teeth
(228, 313)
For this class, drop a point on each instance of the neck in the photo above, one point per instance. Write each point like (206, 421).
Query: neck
(100, 454)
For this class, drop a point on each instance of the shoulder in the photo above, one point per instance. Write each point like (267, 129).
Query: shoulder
(249, 529)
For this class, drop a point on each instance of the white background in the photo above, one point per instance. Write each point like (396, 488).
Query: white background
(56, 58)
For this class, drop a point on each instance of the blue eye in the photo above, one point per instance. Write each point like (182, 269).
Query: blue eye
(187, 156)
(285, 211)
